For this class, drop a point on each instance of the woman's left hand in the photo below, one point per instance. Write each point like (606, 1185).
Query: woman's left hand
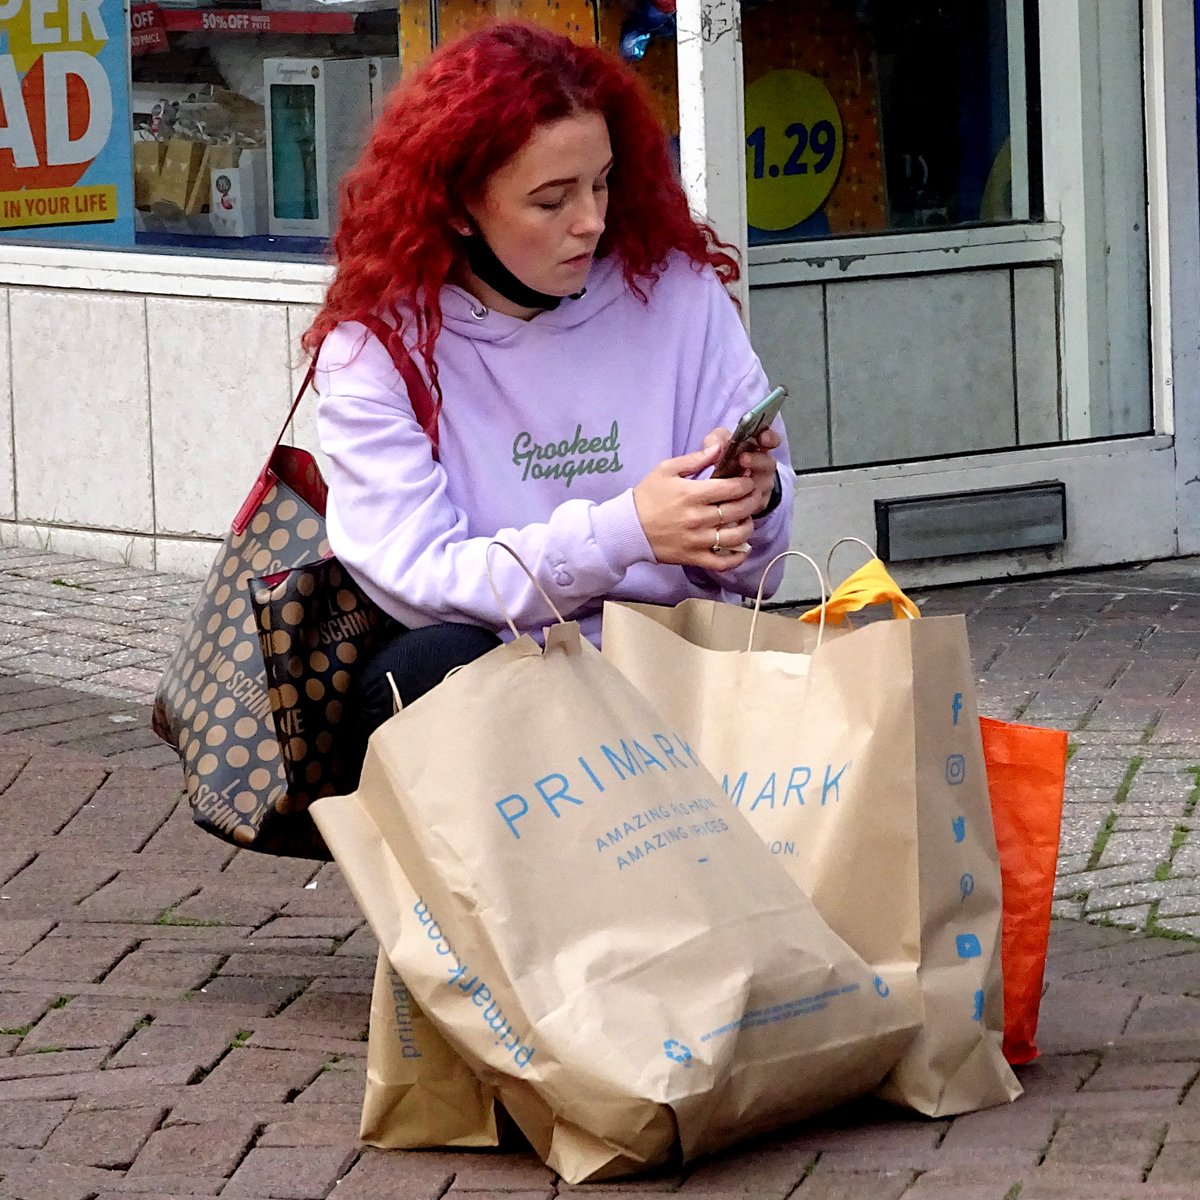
(757, 463)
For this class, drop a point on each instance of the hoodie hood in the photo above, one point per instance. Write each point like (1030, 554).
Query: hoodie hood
(605, 286)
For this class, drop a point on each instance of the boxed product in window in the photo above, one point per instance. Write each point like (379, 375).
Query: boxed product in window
(318, 119)
(238, 196)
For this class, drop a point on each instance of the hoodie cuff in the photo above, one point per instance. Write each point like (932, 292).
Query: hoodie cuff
(618, 533)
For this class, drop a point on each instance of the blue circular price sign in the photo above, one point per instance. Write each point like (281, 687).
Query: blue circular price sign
(794, 146)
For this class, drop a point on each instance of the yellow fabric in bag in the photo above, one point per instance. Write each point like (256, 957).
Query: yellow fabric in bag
(870, 584)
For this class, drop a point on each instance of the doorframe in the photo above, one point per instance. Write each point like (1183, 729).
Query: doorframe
(1167, 460)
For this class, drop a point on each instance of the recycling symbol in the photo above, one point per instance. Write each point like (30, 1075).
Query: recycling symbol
(677, 1051)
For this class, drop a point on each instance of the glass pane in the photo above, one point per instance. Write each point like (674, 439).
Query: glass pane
(864, 116)
(245, 115)
(641, 32)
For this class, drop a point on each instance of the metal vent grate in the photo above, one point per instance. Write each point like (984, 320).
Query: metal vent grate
(1029, 517)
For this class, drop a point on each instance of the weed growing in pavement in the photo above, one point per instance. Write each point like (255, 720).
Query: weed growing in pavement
(170, 917)
(82, 587)
(19, 1031)
(61, 1002)
(333, 1063)
(1101, 841)
(1014, 1191)
(49, 1050)
(1135, 765)
(240, 1039)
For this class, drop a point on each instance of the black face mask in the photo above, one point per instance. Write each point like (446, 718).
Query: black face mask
(482, 260)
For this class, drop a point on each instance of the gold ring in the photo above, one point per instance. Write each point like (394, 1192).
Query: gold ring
(716, 547)
(720, 517)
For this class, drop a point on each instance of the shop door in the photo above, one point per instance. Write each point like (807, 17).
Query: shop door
(951, 256)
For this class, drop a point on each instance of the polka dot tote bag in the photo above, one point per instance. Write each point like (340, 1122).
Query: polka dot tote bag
(256, 696)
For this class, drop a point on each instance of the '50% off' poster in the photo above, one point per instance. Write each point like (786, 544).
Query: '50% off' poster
(66, 171)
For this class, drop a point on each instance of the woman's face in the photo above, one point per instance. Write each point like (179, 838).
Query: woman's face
(542, 213)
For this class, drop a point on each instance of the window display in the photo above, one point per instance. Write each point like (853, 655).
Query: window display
(247, 115)
(244, 119)
(867, 116)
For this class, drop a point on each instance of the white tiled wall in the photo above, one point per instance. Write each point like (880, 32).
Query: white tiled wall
(80, 405)
(220, 391)
(132, 428)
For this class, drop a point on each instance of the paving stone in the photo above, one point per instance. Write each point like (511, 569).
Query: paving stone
(55, 1181)
(136, 895)
(265, 1074)
(81, 960)
(77, 1027)
(299, 1173)
(29, 1123)
(104, 1139)
(213, 1149)
(380, 1176)
(164, 969)
(22, 1010)
(200, 1045)
(313, 1125)
(859, 1185)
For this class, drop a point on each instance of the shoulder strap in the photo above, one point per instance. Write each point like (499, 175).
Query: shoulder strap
(424, 408)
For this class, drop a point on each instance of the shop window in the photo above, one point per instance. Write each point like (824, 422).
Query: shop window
(870, 116)
(225, 126)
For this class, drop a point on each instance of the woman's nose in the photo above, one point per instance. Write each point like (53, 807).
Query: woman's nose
(589, 217)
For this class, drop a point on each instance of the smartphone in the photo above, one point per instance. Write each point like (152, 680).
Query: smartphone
(752, 423)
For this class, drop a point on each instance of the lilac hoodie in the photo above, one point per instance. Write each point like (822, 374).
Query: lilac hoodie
(546, 427)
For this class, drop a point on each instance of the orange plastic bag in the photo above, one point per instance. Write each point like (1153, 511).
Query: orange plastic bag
(1026, 768)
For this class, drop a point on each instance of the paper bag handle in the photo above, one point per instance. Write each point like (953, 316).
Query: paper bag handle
(762, 583)
(845, 541)
(870, 584)
(487, 566)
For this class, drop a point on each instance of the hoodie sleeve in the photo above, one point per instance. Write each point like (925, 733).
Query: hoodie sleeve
(392, 524)
(732, 380)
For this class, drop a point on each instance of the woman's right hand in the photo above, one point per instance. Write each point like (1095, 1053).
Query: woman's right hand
(681, 516)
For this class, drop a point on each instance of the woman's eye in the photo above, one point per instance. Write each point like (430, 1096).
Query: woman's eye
(552, 205)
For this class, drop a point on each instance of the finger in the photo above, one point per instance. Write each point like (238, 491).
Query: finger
(722, 491)
(693, 463)
(718, 437)
(769, 439)
(739, 510)
(727, 560)
(736, 534)
(757, 461)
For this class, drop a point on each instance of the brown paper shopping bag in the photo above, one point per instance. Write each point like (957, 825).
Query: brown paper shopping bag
(856, 757)
(420, 1094)
(597, 932)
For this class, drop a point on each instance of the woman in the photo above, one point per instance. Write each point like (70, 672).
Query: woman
(516, 217)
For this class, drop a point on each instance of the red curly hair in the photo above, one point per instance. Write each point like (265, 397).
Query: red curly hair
(448, 127)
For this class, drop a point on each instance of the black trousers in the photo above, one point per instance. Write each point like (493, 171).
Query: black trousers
(417, 659)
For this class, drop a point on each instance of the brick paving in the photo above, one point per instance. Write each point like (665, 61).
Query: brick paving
(181, 1019)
